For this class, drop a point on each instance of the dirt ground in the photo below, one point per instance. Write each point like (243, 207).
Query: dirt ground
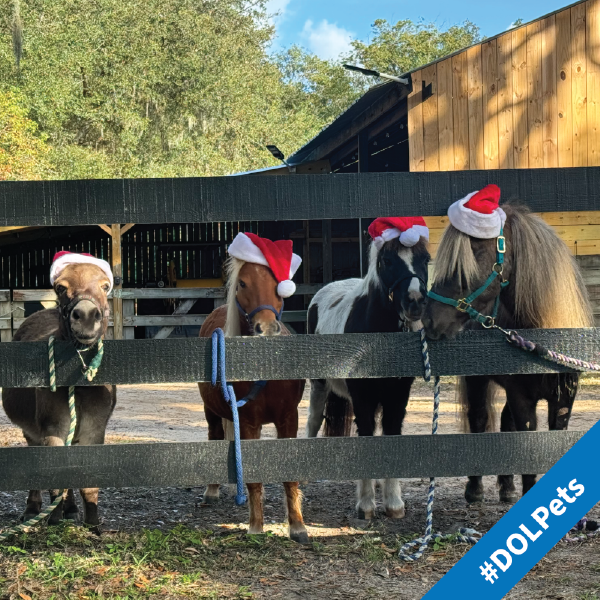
(348, 558)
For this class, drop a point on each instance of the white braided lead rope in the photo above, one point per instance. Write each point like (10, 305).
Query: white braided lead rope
(464, 535)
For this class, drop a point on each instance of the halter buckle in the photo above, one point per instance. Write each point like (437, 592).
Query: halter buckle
(462, 305)
(501, 244)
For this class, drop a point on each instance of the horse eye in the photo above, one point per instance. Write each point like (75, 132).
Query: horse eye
(106, 287)
(242, 284)
(60, 289)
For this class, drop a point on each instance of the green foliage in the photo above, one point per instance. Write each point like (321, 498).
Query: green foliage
(402, 47)
(171, 88)
(23, 151)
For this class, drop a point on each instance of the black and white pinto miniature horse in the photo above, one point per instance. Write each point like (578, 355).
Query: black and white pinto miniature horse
(545, 290)
(391, 298)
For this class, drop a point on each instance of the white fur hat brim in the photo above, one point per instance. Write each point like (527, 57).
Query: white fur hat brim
(473, 223)
(73, 258)
(408, 238)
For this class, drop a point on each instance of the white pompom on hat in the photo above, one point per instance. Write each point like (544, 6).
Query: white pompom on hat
(479, 214)
(64, 258)
(278, 256)
(408, 229)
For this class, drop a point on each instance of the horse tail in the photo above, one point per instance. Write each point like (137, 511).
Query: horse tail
(338, 416)
(462, 402)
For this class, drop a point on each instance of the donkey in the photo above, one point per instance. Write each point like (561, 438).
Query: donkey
(82, 318)
(253, 307)
(390, 298)
(538, 286)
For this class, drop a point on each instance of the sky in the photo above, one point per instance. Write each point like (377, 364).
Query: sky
(326, 27)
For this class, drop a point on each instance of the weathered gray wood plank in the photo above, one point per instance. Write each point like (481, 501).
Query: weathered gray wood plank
(336, 196)
(295, 357)
(192, 464)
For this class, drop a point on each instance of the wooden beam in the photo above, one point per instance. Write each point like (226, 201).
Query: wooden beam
(106, 228)
(118, 275)
(182, 309)
(314, 357)
(337, 196)
(126, 228)
(337, 459)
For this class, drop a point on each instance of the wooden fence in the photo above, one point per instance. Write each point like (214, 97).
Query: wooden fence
(295, 357)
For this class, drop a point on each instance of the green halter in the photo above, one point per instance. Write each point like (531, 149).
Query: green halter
(465, 304)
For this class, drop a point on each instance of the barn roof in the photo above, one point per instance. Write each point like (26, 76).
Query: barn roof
(341, 128)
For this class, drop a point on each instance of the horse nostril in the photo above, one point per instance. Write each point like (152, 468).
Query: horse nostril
(76, 314)
(98, 316)
(258, 328)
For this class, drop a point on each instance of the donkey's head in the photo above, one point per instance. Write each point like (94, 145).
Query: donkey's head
(82, 285)
(259, 275)
(402, 272)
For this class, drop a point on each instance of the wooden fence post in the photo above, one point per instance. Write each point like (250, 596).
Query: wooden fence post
(5, 316)
(118, 275)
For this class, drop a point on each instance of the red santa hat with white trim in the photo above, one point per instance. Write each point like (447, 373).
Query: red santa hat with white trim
(278, 256)
(408, 229)
(64, 258)
(479, 214)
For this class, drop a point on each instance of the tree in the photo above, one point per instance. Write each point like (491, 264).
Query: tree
(23, 152)
(400, 48)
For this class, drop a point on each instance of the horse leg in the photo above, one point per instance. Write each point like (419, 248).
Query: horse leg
(34, 499)
(318, 397)
(215, 432)
(476, 390)
(522, 407)
(394, 400)
(255, 490)
(70, 509)
(364, 413)
(560, 402)
(90, 508)
(289, 429)
(506, 483)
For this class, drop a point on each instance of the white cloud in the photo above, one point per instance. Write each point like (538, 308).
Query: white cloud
(326, 40)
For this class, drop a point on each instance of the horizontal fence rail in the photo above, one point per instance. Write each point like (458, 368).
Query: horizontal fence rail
(333, 196)
(192, 464)
(295, 357)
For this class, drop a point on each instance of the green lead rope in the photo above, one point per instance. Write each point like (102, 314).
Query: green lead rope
(89, 373)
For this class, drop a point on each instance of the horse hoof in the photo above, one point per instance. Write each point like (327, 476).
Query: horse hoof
(301, 537)
(395, 513)
(509, 497)
(365, 515)
(27, 516)
(255, 530)
(95, 529)
(210, 499)
(474, 496)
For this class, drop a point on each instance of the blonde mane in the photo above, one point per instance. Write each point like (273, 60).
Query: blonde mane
(548, 286)
(232, 272)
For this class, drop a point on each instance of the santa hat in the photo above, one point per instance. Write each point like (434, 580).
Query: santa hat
(278, 256)
(64, 258)
(409, 229)
(478, 214)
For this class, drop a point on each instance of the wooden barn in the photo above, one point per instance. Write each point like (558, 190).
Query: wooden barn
(527, 98)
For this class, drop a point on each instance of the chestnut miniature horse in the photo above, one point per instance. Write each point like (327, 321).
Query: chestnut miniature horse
(250, 286)
(82, 318)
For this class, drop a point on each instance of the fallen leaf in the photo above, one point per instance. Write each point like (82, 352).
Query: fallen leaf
(24, 596)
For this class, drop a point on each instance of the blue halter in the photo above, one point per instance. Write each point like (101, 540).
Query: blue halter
(465, 304)
(249, 316)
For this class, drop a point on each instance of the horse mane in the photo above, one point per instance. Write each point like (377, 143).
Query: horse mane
(549, 289)
(232, 267)
(371, 279)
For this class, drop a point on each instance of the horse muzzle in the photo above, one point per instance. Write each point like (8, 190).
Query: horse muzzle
(86, 322)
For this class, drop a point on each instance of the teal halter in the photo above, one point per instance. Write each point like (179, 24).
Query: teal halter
(465, 304)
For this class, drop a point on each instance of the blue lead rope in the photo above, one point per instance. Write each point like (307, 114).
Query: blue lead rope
(218, 368)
